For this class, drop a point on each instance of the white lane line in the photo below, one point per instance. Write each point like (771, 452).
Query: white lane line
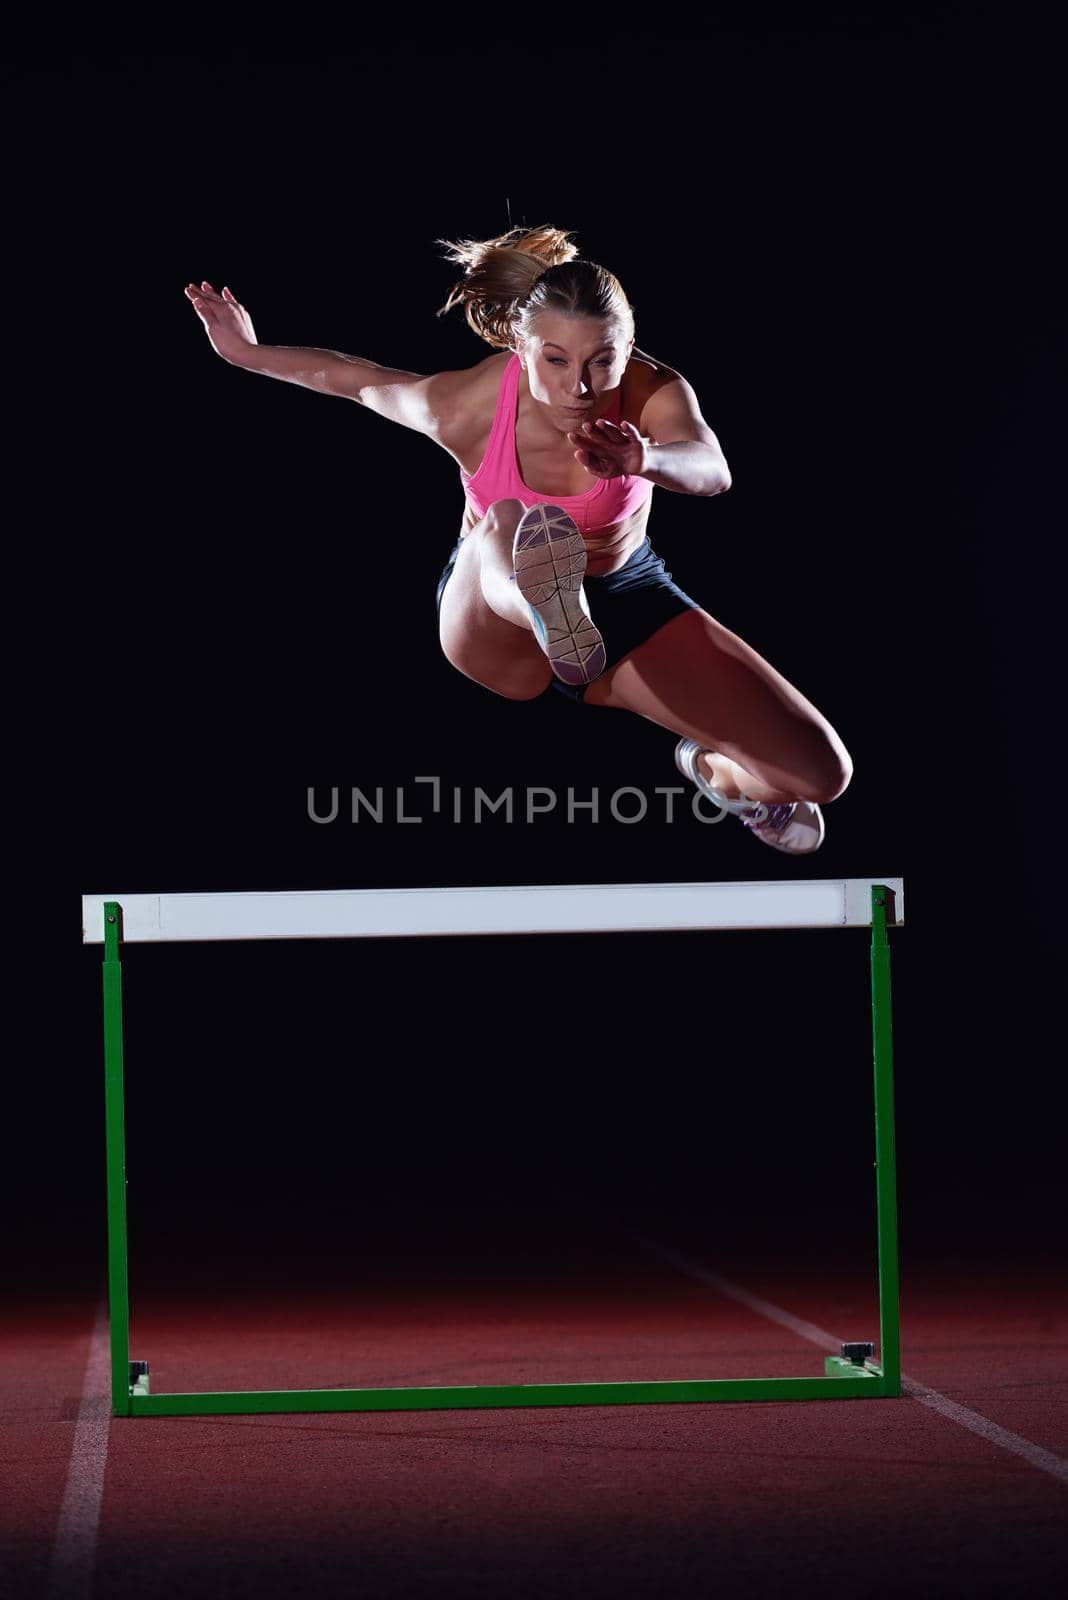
(70, 1574)
(1034, 1454)
(1045, 1460)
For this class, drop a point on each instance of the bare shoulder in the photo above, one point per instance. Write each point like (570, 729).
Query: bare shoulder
(648, 370)
(665, 398)
(465, 402)
(646, 376)
(666, 405)
(443, 405)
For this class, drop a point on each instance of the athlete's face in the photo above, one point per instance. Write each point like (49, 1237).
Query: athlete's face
(573, 364)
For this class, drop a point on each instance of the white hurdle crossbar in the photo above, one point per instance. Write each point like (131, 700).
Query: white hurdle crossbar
(529, 908)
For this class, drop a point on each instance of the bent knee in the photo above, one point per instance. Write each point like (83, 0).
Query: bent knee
(830, 775)
(506, 688)
(506, 508)
(503, 515)
(521, 681)
(517, 694)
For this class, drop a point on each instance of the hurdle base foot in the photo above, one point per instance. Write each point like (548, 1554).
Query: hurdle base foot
(841, 1367)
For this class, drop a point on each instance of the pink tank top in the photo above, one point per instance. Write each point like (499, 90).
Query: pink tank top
(497, 477)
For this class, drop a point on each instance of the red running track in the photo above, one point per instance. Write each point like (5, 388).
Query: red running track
(866, 1498)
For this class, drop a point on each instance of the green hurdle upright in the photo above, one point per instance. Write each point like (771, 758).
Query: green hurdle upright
(115, 919)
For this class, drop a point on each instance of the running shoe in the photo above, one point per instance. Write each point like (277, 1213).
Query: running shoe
(792, 826)
(549, 556)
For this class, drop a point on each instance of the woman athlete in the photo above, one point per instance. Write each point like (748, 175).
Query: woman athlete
(560, 437)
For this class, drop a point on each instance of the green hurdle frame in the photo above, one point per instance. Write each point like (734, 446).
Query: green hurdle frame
(855, 1374)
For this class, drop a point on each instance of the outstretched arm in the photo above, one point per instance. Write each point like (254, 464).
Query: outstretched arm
(410, 398)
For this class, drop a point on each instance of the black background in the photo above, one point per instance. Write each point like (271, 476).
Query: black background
(840, 224)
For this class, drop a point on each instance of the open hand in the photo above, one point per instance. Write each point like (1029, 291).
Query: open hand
(608, 451)
(227, 323)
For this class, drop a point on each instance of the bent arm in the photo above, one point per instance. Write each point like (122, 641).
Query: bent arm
(689, 466)
(683, 453)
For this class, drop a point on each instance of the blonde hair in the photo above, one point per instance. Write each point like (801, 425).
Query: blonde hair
(508, 280)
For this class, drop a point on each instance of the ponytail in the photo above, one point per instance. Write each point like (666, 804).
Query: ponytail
(499, 275)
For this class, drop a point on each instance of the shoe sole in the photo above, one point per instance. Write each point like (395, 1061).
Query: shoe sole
(549, 558)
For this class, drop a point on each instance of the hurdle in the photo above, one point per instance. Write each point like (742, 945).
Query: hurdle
(432, 913)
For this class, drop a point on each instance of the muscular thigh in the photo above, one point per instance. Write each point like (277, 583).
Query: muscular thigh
(497, 654)
(703, 682)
